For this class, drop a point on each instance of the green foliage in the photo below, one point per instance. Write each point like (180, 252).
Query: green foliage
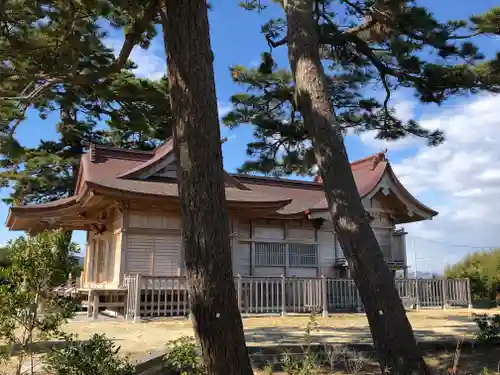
(369, 47)
(4, 257)
(489, 327)
(36, 267)
(483, 271)
(55, 64)
(183, 357)
(95, 356)
(306, 364)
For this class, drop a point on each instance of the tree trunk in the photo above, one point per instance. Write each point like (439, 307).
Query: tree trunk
(204, 212)
(391, 331)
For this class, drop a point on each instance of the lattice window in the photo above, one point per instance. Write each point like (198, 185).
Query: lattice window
(274, 254)
(270, 254)
(302, 254)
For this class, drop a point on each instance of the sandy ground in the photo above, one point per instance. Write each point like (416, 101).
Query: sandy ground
(142, 338)
(138, 340)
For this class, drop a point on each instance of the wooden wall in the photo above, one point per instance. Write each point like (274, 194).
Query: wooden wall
(153, 244)
(149, 243)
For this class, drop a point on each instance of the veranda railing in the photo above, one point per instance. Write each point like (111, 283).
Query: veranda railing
(152, 296)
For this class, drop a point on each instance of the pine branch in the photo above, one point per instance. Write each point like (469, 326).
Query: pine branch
(356, 7)
(362, 27)
(131, 39)
(37, 91)
(274, 44)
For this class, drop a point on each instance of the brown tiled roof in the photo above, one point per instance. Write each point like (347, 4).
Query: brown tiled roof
(367, 174)
(117, 169)
(304, 194)
(158, 155)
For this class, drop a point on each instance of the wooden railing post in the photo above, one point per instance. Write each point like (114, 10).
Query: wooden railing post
(95, 308)
(138, 288)
(417, 296)
(90, 301)
(324, 296)
(445, 294)
(283, 296)
(238, 292)
(359, 303)
(469, 294)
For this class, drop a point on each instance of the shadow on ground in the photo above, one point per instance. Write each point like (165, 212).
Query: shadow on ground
(294, 335)
(41, 347)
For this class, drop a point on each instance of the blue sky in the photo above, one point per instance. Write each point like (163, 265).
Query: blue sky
(460, 179)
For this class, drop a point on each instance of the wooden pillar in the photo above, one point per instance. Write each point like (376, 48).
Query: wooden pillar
(252, 249)
(122, 261)
(287, 249)
(138, 291)
(238, 292)
(234, 239)
(90, 301)
(106, 248)
(324, 296)
(91, 261)
(283, 295)
(95, 307)
(318, 254)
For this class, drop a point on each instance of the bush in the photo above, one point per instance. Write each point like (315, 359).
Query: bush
(183, 357)
(483, 270)
(489, 327)
(26, 284)
(97, 356)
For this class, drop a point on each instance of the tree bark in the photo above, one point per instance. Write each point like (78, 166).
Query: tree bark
(204, 212)
(391, 331)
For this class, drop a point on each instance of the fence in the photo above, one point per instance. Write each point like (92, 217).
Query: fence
(153, 296)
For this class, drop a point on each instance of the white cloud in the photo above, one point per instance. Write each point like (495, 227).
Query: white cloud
(460, 179)
(151, 63)
(224, 108)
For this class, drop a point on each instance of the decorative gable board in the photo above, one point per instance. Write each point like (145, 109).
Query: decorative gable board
(169, 171)
(166, 165)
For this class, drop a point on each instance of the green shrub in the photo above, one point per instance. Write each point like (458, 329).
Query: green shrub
(307, 362)
(489, 327)
(183, 357)
(35, 268)
(482, 268)
(98, 356)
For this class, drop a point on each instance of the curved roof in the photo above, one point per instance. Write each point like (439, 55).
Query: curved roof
(109, 170)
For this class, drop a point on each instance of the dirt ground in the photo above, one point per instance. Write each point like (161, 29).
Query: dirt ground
(138, 340)
(146, 337)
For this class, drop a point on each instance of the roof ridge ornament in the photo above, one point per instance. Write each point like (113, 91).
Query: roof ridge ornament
(378, 157)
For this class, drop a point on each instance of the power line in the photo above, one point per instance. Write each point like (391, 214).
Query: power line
(454, 245)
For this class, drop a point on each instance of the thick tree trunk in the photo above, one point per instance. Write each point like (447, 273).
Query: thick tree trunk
(391, 331)
(204, 212)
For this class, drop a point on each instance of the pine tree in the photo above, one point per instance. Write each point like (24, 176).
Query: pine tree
(386, 40)
(135, 117)
(57, 45)
(51, 51)
(204, 211)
